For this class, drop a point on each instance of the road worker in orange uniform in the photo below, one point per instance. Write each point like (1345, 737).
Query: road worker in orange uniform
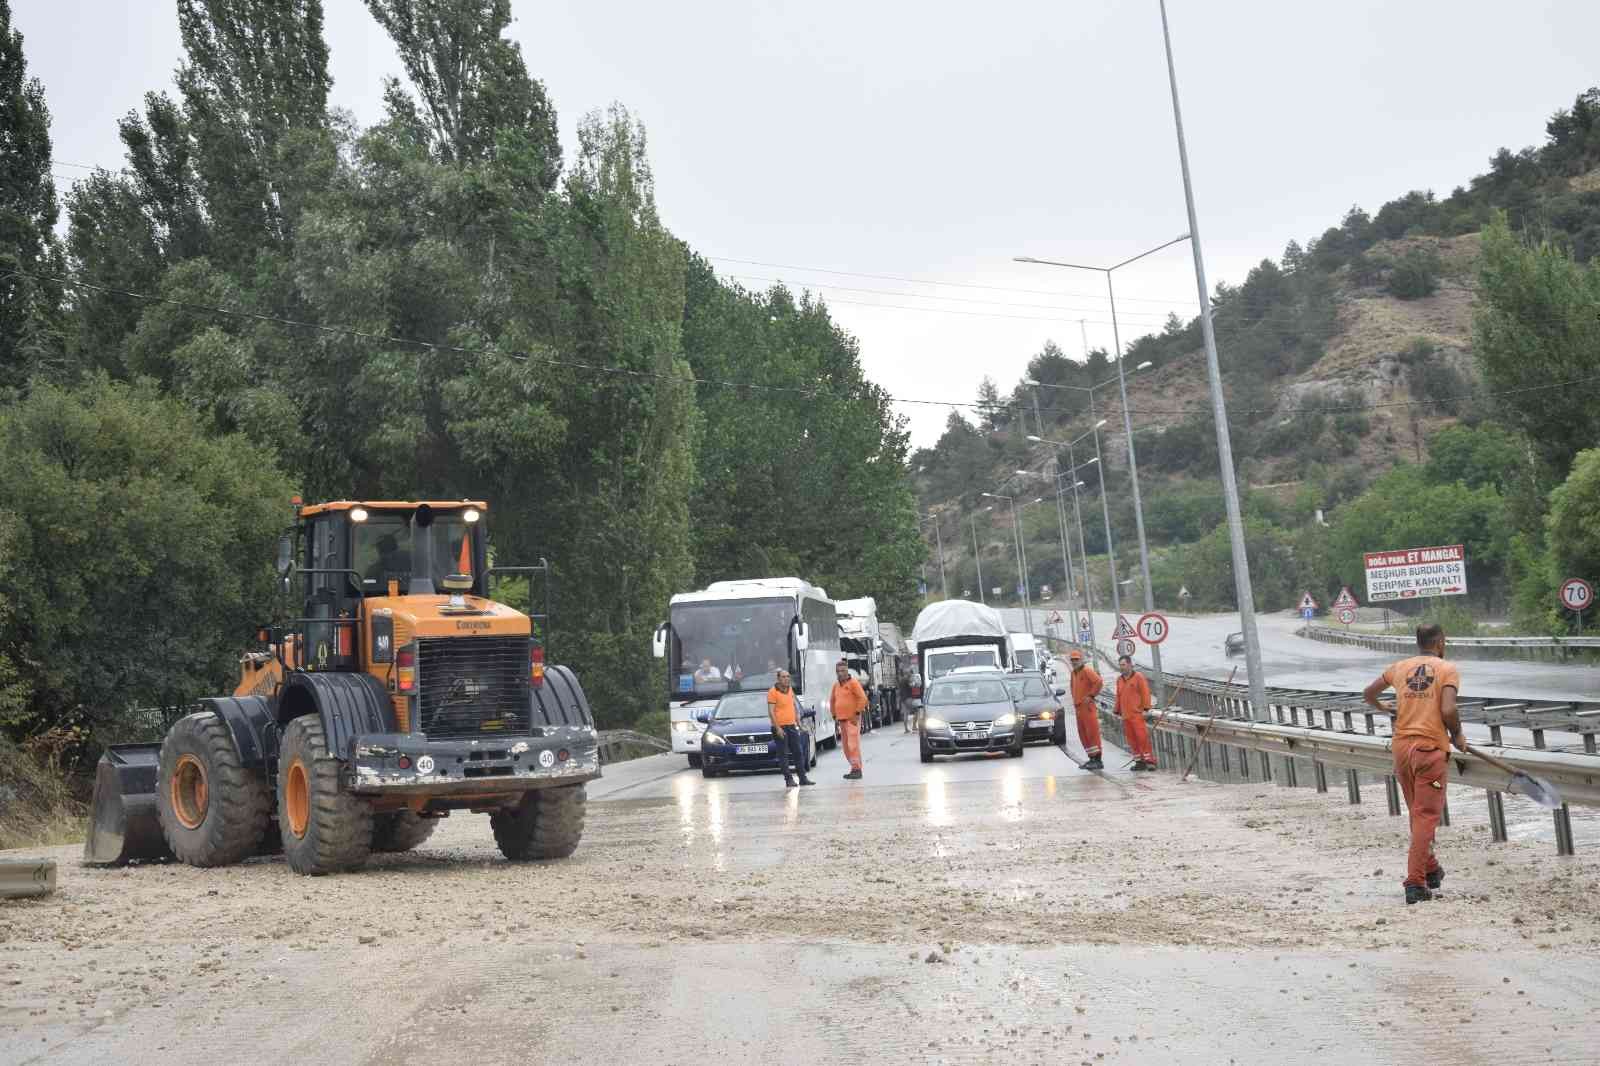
(1086, 685)
(849, 699)
(1426, 723)
(1133, 699)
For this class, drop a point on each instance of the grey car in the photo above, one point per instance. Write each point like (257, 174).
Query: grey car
(970, 712)
(1039, 706)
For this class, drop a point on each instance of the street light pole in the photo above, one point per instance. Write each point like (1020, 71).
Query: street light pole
(1083, 547)
(977, 556)
(938, 537)
(1016, 544)
(1230, 484)
(1127, 425)
(1105, 510)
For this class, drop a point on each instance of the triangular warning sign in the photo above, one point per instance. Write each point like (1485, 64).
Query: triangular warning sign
(1307, 603)
(1124, 630)
(1345, 599)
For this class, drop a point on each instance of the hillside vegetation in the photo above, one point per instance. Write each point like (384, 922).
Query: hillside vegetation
(1421, 375)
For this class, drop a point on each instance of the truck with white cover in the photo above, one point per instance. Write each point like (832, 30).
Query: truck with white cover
(858, 645)
(954, 633)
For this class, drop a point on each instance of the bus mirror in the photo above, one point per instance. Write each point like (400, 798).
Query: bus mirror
(802, 636)
(658, 643)
(285, 553)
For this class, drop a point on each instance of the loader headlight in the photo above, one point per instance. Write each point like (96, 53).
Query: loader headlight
(685, 727)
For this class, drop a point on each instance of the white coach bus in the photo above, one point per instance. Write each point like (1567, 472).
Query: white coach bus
(734, 636)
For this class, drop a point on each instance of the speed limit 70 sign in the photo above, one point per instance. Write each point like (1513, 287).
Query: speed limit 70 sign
(1152, 628)
(1576, 594)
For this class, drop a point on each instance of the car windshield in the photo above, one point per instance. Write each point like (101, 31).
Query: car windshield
(955, 691)
(1026, 688)
(941, 663)
(741, 705)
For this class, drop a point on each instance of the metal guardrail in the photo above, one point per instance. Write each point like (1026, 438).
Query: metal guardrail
(1555, 649)
(614, 742)
(1305, 732)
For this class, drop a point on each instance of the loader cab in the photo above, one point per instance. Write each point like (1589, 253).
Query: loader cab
(348, 552)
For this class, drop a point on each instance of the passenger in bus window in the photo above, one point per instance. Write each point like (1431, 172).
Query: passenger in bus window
(707, 673)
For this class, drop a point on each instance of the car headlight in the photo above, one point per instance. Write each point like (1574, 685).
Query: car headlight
(712, 738)
(935, 723)
(1046, 715)
(1005, 721)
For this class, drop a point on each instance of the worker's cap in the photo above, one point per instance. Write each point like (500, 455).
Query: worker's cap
(1075, 655)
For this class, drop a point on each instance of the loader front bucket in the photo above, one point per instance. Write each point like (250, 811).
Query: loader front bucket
(124, 826)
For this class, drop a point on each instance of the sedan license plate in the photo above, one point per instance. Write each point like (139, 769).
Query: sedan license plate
(752, 749)
(963, 735)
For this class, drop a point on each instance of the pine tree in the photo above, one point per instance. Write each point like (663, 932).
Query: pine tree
(29, 337)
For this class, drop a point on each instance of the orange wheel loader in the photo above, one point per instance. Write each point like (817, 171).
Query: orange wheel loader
(399, 692)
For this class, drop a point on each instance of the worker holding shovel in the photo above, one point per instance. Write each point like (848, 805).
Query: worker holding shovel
(1426, 723)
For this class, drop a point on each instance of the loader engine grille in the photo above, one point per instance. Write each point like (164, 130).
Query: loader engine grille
(473, 687)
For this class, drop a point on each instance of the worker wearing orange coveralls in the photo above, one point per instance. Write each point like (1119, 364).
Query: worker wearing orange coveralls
(1426, 723)
(1086, 685)
(1133, 699)
(848, 700)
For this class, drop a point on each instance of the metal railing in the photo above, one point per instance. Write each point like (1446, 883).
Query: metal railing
(1555, 649)
(615, 745)
(1305, 732)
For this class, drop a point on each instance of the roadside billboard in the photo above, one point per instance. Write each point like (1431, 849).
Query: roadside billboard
(1413, 573)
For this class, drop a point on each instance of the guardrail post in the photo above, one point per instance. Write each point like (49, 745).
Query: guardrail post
(1563, 818)
(1266, 767)
(1222, 751)
(1497, 817)
(1392, 787)
(1494, 735)
(1349, 726)
(1352, 784)
(1321, 773)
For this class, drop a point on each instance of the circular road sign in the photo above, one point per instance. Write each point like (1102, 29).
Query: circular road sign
(1125, 647)
(1153, 628)
(1347, 615)
(1576, 594)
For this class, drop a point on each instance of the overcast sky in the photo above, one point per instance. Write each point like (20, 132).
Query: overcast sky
(934, 141)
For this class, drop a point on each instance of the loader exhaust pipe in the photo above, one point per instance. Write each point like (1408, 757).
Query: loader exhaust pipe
(124, 825)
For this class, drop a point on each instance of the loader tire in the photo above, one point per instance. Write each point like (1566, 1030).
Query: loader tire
(547, 824)
(324, 829)
(212, 810)
(401, 831)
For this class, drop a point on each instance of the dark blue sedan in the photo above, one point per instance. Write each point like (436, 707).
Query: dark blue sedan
(739, 736)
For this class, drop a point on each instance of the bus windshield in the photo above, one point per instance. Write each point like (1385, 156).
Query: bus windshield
(729, 645)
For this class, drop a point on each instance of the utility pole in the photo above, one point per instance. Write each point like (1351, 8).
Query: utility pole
(1230, 484)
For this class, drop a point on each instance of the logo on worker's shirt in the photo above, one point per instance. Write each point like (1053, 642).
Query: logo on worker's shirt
(1421, 679)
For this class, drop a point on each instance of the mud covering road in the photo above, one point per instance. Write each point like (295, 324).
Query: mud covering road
(954, 913)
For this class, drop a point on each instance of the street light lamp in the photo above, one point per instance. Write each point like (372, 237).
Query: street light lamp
(1127, 425)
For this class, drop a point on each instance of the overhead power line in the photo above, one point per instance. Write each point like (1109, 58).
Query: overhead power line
(798, 390)
(949, 284)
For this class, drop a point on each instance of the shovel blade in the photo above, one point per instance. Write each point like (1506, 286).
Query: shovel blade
(124, 825)
(1537, 789)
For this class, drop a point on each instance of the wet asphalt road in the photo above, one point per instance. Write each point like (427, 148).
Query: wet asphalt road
(1288, 661)
(976, 910)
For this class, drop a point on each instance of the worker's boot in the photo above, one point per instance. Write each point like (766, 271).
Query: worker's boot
(1435, 878)
(1094, 763)
(1417, 894)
